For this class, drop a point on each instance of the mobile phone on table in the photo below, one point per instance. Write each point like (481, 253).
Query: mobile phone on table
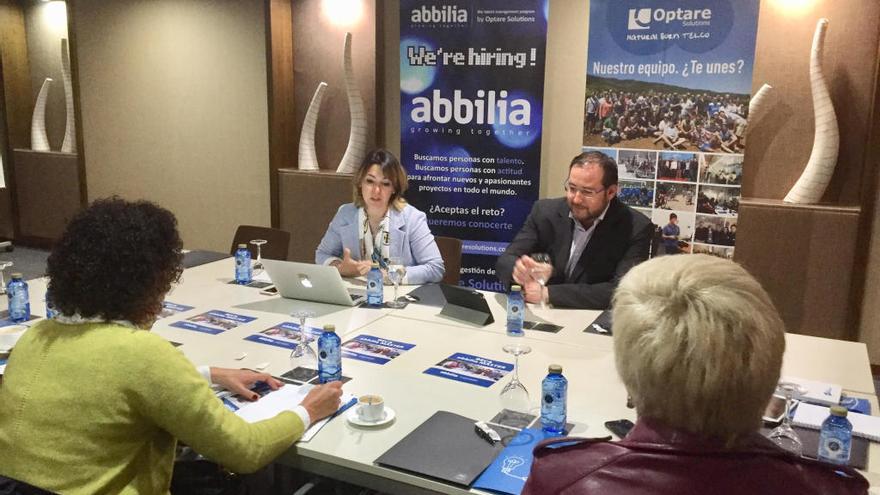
(620, 427)
(775, 409)
(269, 291)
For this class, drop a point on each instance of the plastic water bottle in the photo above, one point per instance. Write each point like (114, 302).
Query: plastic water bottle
(374, 286)
(51, 312)
(329, 355)
(835, 439)
(243, 269)
(515, 312)
(19, 299)
(554, 390)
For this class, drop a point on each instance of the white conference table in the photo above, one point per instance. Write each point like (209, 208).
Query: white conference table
(345, 451)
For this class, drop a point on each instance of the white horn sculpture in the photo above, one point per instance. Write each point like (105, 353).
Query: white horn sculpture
(759, 102)
(357, 138)
(69, 143)
(810, 187)
(308, 158)
(39, 141)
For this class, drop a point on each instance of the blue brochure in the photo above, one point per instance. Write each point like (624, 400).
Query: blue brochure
(374, 349)
(510, 470)
(470, 369)
(170, 309)
(213, 322)
(286, 335)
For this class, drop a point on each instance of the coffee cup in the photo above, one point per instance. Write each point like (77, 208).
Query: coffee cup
(371, 408)
(9, 335)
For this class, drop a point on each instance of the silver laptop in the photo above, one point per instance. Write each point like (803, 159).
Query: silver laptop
(309, 282)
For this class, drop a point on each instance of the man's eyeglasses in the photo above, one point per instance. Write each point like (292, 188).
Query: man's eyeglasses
(575, 190)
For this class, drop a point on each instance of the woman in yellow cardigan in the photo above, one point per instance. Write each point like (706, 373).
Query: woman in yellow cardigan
(93, 402)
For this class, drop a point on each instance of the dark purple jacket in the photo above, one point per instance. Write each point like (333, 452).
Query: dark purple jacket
(654, 459)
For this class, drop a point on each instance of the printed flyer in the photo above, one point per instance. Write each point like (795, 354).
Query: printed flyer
(470, 369)
(667, 96)
(213, 322)
(286, 335)
(170, 309)
(374, 349)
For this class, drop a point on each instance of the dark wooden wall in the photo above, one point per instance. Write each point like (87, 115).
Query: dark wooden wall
(811, 259)
(17, 101)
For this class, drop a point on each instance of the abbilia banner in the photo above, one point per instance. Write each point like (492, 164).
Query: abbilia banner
(471, 88)
(668, 84)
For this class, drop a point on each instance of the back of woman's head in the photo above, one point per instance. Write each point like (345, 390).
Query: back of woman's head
(698, 344)
(116, 260)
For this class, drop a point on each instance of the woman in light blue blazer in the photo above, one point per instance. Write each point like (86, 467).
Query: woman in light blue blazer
(380, 225)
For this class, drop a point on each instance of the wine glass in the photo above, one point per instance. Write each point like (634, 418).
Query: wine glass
(541, 272)
(303, 355)
(3, 266)
(396, 271)
(784, 435)
(514, 395)
(258, 263)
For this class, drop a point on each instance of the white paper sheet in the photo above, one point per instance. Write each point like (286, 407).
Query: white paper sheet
(285, 398)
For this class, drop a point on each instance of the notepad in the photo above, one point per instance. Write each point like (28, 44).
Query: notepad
(812, 416)
(817, 392)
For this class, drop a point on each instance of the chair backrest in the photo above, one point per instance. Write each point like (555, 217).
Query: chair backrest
(276, 247)
(450, 251)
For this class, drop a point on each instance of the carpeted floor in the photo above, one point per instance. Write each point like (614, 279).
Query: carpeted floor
(30, 262)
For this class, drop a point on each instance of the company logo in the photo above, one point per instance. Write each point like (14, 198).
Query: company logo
(444, 14)
(641, 19)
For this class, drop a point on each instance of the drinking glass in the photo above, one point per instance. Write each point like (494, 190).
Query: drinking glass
(396, 271)
(784, 435)
(258, 263)
(514, 395)
(3, 265)
(541, 272)
(303, 355)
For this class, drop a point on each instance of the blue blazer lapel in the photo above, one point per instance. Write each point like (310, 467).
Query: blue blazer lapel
(349, 234)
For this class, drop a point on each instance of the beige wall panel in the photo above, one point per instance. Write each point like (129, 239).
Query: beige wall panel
(564, 92)
(174, 109)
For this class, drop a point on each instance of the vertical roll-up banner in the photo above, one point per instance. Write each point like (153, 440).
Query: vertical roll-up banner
(668, 85)
(471, 88)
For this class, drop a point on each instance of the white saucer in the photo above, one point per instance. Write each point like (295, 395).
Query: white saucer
(352, 417)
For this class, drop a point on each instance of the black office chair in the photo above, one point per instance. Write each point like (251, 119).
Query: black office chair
(276, 247)
(450, 251)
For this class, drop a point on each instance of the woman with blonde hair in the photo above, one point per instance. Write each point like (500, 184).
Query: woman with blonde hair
(698, 345)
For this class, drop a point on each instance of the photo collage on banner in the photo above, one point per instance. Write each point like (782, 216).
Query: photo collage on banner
(471, 87)
(667, 96)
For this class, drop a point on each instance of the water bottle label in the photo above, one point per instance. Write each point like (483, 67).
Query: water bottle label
(833, 449)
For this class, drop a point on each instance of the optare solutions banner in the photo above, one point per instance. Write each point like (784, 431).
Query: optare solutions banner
(668, 84)
(471, 86)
